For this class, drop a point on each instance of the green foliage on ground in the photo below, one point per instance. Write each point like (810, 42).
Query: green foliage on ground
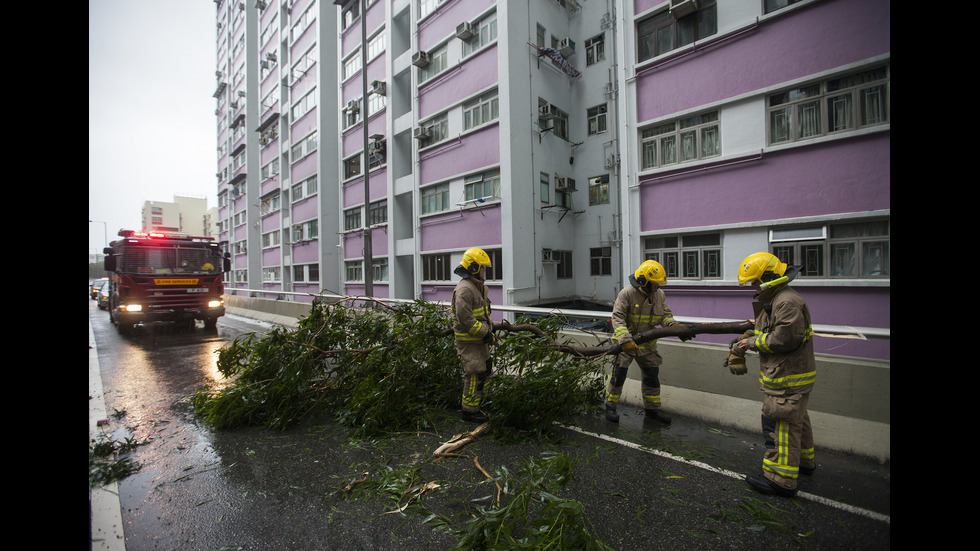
(392, 368)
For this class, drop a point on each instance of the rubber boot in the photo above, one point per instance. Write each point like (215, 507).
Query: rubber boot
(474, 417)
(658, 415)
(611, 414)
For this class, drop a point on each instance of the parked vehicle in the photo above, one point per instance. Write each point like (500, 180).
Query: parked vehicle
(104, 297)
(96, 286)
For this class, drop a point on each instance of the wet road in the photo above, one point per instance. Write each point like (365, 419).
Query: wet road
(643, 486)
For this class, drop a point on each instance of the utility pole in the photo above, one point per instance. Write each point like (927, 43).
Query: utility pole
(368, 252)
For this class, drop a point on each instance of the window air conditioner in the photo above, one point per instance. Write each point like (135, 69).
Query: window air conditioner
(264, 64)
(354, 105)
(547, 255)
(420, 59)
(378, 87)
(271, 56)
(680, 8)
(376, 147)
(566, 47)
(564, 183)
(544, 112)
(422, 132)
(260, 4)
(464, 30)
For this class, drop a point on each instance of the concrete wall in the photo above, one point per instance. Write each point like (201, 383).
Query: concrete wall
(850, 406)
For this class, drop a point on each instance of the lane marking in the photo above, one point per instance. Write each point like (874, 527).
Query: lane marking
(731, 474)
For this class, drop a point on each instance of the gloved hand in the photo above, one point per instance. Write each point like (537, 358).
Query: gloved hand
(630, 346)
(488, 338)
(735, 362)
(683, 338)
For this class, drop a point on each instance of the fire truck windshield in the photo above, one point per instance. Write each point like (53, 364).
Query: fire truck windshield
(156, 259)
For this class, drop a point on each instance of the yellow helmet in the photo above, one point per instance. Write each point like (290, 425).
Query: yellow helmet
(474, 258)
(758, 264)
(650, 271)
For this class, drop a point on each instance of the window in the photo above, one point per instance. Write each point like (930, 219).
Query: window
(304, 147)
(352, 219)
(438, 130)
(352, 166)
(270, 239)
(302, 22)
(599, 190)
(850, 250)
(352, 113)
(353, 271)
(695, 256)
(377, 153)
(272, 275)
(496, 269)
(435, 198)
(304, 189)
(597, 119)
(436, 267)
(306, 104)
(306, 61)
(426, 7)
(484, 32)
(595, 49)
(438, 61)
(376, 45)
(305, 231)
(270, 203)
(689, 139)
(481, 110)
(378, 212)
(840, 104)
(379, 269)
(773, 5)
(350, 13)
(662, 33)
(351, 65)
(306, 273)
(270, 169)
(600, 261)
(483, 186)
(564, 260)
(545, 184)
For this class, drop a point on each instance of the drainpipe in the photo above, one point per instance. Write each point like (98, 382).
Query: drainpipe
(368, 252)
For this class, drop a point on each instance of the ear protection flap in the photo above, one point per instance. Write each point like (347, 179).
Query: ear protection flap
(642, 280)
(473, 268)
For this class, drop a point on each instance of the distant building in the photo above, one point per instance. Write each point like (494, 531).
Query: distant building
(188, 215)
(570, 139)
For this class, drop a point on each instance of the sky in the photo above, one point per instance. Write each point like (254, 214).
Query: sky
(152, 129)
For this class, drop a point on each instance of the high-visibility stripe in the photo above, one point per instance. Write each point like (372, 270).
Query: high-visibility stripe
(760, 339)
(470, 397)
(781, 465)
(787, 382)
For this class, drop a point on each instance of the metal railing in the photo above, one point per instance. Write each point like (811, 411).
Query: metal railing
(866, 333)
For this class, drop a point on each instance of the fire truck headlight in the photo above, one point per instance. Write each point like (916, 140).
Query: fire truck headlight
(215, 303)
(132, 307)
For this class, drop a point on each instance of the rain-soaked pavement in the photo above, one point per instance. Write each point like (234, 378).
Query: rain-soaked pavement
(643, 486)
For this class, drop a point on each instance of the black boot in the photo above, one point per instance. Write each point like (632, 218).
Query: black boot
(474, 417)
(611, 414)
(658, 415)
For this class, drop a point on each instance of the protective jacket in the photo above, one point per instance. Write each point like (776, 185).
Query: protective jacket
(471, 311)
(784, 340)
(635, 311)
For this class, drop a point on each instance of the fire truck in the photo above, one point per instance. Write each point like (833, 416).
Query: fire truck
(164, 277)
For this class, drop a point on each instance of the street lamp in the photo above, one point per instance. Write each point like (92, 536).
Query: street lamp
(105, 232)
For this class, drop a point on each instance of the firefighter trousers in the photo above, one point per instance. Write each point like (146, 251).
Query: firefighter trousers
(477, 365)
(788, 438)
(649, 363)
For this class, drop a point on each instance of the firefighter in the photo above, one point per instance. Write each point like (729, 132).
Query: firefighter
(473, 330)
(783, 337)
(638, 308)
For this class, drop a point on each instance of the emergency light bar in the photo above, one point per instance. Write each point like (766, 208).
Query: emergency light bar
(161, 235)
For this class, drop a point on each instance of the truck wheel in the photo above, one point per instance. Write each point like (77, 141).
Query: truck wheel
(210, 323)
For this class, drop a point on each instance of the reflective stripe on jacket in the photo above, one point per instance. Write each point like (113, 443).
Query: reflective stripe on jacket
(784, 339)
(634, 312)
(471, 311)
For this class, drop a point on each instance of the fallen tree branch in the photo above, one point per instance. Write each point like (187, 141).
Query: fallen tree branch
(486, 474)
(458, 441)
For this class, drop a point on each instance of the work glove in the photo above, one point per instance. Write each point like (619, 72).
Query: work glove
(630, 346)
(488, 338)
(683, 338)
(735, 362)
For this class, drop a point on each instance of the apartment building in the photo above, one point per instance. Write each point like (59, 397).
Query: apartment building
(364, 145)
(184, 214)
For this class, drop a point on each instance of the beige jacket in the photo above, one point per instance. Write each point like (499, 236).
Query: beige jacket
(635, 312)
(784, 340)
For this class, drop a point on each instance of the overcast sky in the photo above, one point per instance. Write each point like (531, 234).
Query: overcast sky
(151, 111)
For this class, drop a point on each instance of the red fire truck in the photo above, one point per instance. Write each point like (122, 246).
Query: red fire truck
(164, 277)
